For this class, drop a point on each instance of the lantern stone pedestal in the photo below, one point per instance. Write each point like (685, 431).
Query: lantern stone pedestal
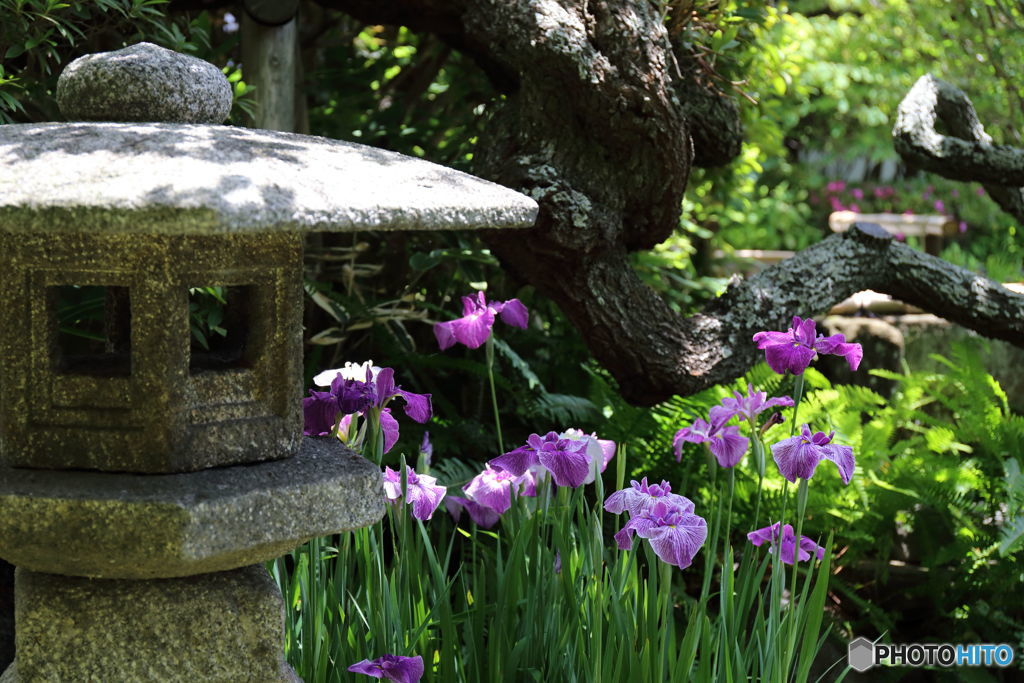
(144, 480)
(224, 626)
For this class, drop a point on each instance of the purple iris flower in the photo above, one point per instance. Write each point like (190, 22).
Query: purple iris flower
(349, 395)
(319, 411)
(354, 395)
(567, 460)
(492, 488)
(725, 443)
(483, 516)
(770, 535)
(423, 492)
(794, 349)
(426, 448)
(798, 456)
(753, 404)
(675, 533)
(392, 668)
(600, 451)
(641, 496)
(474, 327)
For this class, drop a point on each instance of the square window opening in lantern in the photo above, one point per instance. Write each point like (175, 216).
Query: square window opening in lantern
(93, 330)
(219, 321)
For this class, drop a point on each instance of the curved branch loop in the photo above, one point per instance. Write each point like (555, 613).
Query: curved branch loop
(967, 153)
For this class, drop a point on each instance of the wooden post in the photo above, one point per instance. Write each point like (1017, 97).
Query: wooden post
(269, 53)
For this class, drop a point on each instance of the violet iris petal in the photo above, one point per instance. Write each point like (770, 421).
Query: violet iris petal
(483, 516)
(474, 327)
(836, 345)
(353, 395)
(675, 535)
(516, 461)
(624, 536)
(384, 385)
(492, 488)
(417, 406)
(422, 491)
(392, 668)
(608, 448)
(424, 495)
(392, 485)
(426, 448)
(444, 333)
(389, 427)
(749, 407)
(798, 456)
(725, 443)
(788, 548)
(514, 313)
(526, 485)
(598, 451)
(842, 456)
(640, 496)
(567, 460)
(695, 433)
(344, 425)
(728, 446)
(319, 411)
(793, 350)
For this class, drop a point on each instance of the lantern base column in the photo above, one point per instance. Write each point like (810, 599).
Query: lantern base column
(224, 626)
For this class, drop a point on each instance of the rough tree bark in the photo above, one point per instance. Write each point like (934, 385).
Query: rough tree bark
(598, 124)
(967, 152)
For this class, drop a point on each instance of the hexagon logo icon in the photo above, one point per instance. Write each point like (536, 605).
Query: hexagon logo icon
(861, 654)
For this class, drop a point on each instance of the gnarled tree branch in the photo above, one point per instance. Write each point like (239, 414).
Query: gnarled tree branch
(592, 126)
(967, 152)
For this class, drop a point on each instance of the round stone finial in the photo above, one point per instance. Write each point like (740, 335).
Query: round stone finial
(143, 82)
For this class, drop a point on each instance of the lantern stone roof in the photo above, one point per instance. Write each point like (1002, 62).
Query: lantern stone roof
(179, 179)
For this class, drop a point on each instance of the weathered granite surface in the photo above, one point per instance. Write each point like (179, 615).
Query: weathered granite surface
(126, 526)
(213, 627)
(6, 614)
(143, 82)
(161, 414)
(200, 179)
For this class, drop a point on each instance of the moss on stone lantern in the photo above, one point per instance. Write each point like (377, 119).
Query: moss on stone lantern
(143, 477)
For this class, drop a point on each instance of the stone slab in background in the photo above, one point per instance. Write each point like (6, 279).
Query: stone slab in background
(121, 526)
(143, 82)
(226, 626)
(883, 346)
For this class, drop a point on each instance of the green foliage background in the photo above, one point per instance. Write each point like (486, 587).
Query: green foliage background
(939, 485)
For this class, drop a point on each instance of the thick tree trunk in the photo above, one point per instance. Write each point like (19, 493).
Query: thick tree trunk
(597, 125)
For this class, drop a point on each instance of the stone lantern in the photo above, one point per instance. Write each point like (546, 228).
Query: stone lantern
(142, 480)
